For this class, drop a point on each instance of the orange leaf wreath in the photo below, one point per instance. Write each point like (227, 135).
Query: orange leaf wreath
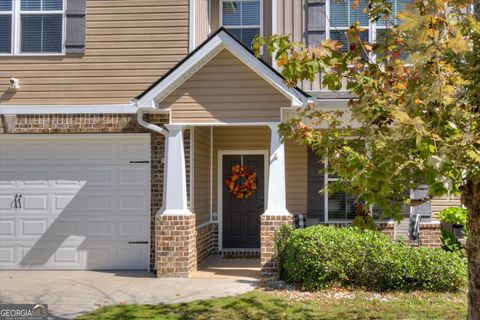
(241, 188)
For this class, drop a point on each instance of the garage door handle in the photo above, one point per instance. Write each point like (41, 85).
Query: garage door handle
(19, 201)
(137, 242)
(140, 161)
(13, 204)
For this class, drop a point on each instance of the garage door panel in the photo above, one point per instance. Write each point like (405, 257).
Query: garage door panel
(134, 177)
(66, 256)
(102, 229)
(131, 229)
(133, 151)
(7, 177)
(35, 177)
(7, 203)
(33, 228)
(8, 229)
(64, 228)
(7, 256)
(99, 151)
(67, 151)
(82, 203)
(99, 177)
(132, 203)
(133, 255)
(100, 203)
(34, 203)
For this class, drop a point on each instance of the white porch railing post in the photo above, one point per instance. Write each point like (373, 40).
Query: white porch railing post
(276, 196)
(175, 186)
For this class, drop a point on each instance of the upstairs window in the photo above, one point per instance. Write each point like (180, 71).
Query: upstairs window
(31, 26)
(242, 18)
(341, 16)
(6, 20)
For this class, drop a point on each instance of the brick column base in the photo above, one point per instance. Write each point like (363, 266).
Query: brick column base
(387, 229)
(269, 224)
(176, 249)
(430, 234)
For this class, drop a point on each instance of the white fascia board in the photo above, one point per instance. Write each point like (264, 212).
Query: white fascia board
(181, 74)
(68, 109)
(203, 56)
(297, 99)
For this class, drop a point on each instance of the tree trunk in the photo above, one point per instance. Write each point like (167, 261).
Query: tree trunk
(471, 200)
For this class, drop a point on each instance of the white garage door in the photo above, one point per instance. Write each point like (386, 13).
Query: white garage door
(75, 202)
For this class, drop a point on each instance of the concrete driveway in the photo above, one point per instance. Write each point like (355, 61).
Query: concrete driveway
(71, 293)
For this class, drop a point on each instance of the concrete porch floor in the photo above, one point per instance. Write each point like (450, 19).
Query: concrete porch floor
(71, 293)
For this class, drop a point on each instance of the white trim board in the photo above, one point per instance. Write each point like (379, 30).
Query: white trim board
(220, 155)
(222, 40)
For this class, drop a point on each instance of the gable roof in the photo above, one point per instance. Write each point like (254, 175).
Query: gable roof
(194, 61)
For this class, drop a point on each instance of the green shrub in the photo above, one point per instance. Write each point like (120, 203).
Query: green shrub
(454, 215)
(449, 241)
(363, 218)
(322, 256)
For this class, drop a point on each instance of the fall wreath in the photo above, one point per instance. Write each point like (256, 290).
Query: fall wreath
(241, 182)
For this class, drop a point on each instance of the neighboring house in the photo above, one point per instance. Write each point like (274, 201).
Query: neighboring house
(127, 118)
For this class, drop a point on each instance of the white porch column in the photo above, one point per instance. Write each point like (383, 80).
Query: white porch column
(175, 186)
(276, 196)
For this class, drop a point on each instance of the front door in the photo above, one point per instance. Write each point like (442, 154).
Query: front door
(241, 217)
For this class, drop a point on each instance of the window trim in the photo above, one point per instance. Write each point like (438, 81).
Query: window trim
(16, 30)
(372, 26)
(10, 13)
(241, 27)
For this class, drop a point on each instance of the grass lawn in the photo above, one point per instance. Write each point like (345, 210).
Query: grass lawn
(341, 304)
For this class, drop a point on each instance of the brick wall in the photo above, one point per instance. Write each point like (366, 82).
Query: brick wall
(430, 235)
(176, 245)
(269, 224)
(75, 123)
(206, 241)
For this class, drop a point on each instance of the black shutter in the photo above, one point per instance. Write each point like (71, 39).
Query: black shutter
(425, 209)
(316, 22)
(316, 180)
(75, 26)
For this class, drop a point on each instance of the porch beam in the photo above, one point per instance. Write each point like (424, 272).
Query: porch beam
(276, 196)
(175, 187)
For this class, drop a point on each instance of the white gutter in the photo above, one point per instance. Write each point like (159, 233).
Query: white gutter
(148, 125)
(164, 132)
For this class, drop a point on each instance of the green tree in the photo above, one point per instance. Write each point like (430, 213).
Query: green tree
(418, 117)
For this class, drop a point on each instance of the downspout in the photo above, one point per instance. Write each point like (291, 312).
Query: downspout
(150, 126)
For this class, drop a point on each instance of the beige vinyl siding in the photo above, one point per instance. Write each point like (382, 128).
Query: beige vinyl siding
(440, 203)
(129, 45)
(225, 90)
(296, 165)
(258, 138)
(202, 28)
(292, 20)
(202, 174)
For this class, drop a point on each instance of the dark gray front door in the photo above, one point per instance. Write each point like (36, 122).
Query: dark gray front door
(241, 217)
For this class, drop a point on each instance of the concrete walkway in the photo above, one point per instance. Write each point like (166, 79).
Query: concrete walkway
(71, 293)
